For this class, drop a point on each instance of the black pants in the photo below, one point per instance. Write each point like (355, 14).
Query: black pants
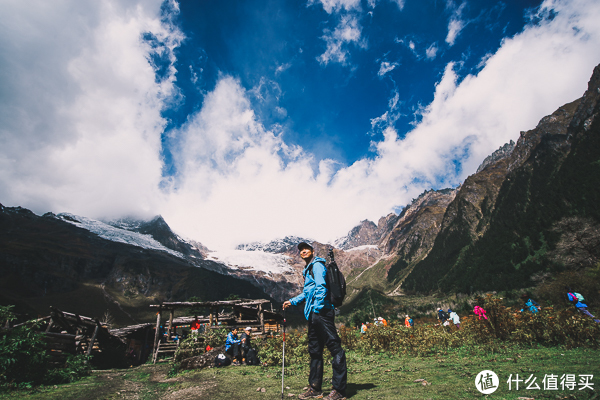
(234, 351)
(321, 333)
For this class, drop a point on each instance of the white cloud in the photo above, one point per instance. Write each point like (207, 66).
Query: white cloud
(80, 126)
(456, 23)
(347, 31)
(431, 51)
(80, 108)
(386, 67)
(399, 3)
(331, 6)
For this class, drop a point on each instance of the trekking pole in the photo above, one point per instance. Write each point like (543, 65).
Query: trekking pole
(283, 358)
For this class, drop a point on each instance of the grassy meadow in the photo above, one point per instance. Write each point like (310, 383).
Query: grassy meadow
(385, 375)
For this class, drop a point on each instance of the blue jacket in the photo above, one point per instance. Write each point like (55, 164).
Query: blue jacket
(231, 340)
(572, 299)
(532, 305)
(315, 290)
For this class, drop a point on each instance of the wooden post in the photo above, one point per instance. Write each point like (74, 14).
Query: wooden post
(170, 323)
(156, 337)
(89, 350)
(211, 318)
(216, 316)
(261, 315)
(49, 325)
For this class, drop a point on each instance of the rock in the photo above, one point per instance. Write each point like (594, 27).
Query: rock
(418, 380)
(258, 390)
(263, 390)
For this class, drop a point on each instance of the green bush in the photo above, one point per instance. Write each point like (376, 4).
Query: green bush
(24, 361)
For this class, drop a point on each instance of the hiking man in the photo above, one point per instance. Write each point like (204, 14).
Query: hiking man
(454, 318)
(232, 346)
(578, 300)
(443, 317)
(531, 305)
(320, 313)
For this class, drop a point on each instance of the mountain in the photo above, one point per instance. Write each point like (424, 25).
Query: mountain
(530, 213)
(88, 267)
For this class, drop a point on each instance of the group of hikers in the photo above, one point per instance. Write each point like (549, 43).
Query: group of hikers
(240, 349)
(319, 312)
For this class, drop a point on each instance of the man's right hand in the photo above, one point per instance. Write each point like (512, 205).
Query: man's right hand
(286, 304)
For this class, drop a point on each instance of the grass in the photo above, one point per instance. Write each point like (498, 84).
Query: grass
(379, 376)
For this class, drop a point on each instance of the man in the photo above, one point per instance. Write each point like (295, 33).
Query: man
(443, 317)
(320, 313)
(246, 344)
(408, 322)
(232, 346)
(454, 318)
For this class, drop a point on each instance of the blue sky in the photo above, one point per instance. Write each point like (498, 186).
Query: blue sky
(261, 119)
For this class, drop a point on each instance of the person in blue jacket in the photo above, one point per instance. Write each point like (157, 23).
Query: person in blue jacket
(232, 346)
(581, 306)
(320, 314)
(531, 305)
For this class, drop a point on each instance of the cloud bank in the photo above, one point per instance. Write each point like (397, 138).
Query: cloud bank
(81, 125)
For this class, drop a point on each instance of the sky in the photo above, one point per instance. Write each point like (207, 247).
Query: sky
(246, 120)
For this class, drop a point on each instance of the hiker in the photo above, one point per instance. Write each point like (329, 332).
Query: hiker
(195, 327)
(246, 345)
(232, 346)
(530, 305)
(408, 322)
(320, 314)
(443, 317)
(454, 318)
(578, 300)
(363, 328)
(480, 312)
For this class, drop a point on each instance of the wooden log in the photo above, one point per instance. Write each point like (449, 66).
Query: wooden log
(156, 336)
(170, 323)
(89, 350)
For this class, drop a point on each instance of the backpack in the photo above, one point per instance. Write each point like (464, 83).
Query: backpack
(577, 297)
(334, 280)
(252, 357)
(443, 315)
(222, 360)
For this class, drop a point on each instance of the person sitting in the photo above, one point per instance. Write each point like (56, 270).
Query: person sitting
(246, 343)
(408, 322)
(232, 346)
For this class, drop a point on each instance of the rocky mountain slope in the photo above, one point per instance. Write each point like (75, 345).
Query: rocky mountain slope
(520, 217)
(88, 267)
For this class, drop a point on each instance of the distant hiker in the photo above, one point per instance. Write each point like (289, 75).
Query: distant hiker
(246, 347)
(408, 322)
(530, 304)
(454, 318)
(578, 301)
(363, 328)
(480, 312)
(232, 346)
(320, 314)
(195, 328)
(443, 317)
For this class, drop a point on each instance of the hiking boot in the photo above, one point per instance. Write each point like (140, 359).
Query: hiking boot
(335, 395)
(311, 393)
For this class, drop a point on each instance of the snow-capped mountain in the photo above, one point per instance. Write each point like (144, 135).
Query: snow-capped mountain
(284, 245)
